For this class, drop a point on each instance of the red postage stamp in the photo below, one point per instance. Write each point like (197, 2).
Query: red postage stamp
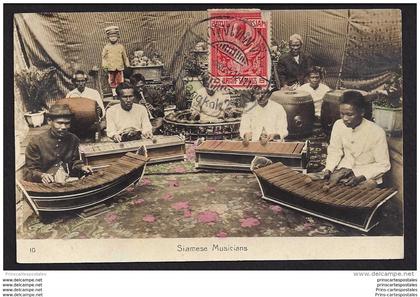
(239, 48)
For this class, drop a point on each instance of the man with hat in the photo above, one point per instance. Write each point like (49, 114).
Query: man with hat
(293, 66)
(54, 150)
(114, 58)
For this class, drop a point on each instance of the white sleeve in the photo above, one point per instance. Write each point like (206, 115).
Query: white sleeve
(146, 126)
(335, 148)
(381, 155)
(245, 126)
(111, 128)
(98, 99)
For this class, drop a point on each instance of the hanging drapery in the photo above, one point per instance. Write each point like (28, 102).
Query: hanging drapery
(365, 44)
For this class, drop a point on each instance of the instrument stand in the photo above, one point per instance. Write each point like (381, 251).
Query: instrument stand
(94, 211)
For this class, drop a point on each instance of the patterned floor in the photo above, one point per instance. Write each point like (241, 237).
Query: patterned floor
(175, 201)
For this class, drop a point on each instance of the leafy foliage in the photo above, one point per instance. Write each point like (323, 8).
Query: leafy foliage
(391, 96)
(34, 84)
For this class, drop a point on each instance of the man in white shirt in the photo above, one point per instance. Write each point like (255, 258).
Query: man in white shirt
(208, 104)
(358, 149)
(127, 120)
(264, 121)
(315, 88)
(79, 80)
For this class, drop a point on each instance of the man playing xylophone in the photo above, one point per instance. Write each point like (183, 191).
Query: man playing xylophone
(127, 120)
(358, 150)
(55, 152)
(264, 121)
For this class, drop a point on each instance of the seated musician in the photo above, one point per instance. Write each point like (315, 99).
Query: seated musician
(150, 99)
(209, 104)
(315, 87)
(127, 120)
(264, 121)
(54, 150)
(79, 81)
(358, 150)
(293, 66)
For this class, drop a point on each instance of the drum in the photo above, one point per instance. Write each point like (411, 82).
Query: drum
(300, 111)
(330, 109)
(85, 114)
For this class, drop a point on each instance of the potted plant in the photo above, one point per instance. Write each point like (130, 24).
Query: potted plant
(151, 69)
(196, 62)
(33, 84)
(387, 107)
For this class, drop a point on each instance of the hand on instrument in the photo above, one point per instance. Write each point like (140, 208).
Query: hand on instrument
(195, 115)
(148, 135)
(47, 178)
(355, 180)
(117, 138)
(327, 174)
(264, 139)
(87, 169)
(338, 175)
(271, 137)
(247, 138)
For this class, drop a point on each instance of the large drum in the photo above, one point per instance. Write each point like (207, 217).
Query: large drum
(300, 111)
(330, 109)
(85, 115)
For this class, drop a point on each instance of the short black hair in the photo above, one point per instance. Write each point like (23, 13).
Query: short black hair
(355, 99)
(81, 72)
(135, 78)
(123, 86)
(316, 69)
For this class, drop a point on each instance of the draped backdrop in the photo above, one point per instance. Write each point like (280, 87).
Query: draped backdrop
(358, 48)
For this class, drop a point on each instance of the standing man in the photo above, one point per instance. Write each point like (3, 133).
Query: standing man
(127, 120)
(54, 150)
(149, 99)
(79, 81)
(358, 150)
(315, 87)
(293, 66)
(264, 121)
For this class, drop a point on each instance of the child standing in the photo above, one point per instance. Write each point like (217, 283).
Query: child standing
(114, 58)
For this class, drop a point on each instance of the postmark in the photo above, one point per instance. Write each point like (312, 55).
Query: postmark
(239, 56)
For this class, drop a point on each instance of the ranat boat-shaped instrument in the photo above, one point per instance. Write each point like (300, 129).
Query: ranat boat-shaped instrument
(93, 189)
(354, 207)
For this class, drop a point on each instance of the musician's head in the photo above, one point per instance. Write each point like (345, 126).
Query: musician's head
(262, 95)
(139, 82)
(295, 44)
(79, 80)
(206, 81)
(125, 92)
(59, 118)
(315, 75)
(352, 108)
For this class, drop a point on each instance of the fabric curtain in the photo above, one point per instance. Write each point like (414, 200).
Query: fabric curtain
(358, 48)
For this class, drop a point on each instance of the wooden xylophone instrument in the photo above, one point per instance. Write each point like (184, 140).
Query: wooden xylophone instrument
(233, 155)
(90, 190)
(162, 149)
(355, 207)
